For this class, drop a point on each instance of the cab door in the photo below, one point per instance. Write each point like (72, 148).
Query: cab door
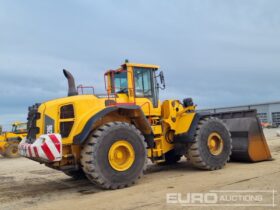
(146, 91)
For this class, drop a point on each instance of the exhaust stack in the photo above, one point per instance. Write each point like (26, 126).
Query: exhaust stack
(72, 91)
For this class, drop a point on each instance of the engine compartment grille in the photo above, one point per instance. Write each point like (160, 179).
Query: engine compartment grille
(67, 116)
(67, 111)
(65, 128)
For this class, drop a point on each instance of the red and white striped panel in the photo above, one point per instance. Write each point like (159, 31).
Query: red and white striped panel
(47, 147)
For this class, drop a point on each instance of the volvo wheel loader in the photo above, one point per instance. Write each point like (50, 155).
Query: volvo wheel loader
(9, 141)
(108, 137)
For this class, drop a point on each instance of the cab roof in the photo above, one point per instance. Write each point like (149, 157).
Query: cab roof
(155, 67)
(141, 65)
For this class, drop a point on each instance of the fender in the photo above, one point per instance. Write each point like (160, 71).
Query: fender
(14, 139)
(141, 123)
(188, 137)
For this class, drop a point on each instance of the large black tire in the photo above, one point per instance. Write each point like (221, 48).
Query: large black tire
(95, 161)
(12, 151)
(76, 174)
(199, 152)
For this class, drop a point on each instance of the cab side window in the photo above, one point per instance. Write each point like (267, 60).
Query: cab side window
(143, 82)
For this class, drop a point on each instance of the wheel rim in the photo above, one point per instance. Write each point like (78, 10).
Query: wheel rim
(215, 144)
(14, 150)
(121, 155)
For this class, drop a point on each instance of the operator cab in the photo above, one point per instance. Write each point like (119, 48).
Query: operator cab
(19, 128)
(136, 81)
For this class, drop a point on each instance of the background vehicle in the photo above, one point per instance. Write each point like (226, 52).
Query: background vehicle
(269, 125)
(9, 140)
(107, 138)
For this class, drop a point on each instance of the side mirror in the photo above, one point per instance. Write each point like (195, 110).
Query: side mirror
(162, 80)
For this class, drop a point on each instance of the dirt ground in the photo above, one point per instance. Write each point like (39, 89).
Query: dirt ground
(25, 184)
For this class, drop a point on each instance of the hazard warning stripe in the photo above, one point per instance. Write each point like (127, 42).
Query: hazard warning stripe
(47, 147)
(55, 142)
(36, 151)
(47, 152)
(29, 151)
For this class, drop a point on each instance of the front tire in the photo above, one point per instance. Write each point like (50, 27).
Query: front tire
(212, 147)
(114, 156)
(12, 151)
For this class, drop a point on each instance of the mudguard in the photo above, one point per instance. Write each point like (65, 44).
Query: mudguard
(144, 126)
(188, 137)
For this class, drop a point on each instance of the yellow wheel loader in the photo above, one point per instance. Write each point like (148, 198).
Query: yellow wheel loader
(108, 137)
(9, 141)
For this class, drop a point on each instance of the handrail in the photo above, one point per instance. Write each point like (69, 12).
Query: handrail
(85, 87)
(149, 108)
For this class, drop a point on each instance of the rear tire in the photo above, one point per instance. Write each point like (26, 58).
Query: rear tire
(212, 147)
(12, 151)
(112, 139)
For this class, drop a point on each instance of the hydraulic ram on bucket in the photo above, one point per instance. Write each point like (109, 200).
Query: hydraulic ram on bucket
(248, 141)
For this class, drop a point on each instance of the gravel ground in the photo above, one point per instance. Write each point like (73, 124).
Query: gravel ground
(28, 185)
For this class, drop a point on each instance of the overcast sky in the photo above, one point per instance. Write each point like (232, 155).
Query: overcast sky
(220, 53)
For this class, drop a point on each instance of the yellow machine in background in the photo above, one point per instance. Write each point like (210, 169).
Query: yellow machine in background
(9, 140)
(108, 137)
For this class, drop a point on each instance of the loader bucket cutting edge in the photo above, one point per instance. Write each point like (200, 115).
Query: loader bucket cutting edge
(248, 140)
